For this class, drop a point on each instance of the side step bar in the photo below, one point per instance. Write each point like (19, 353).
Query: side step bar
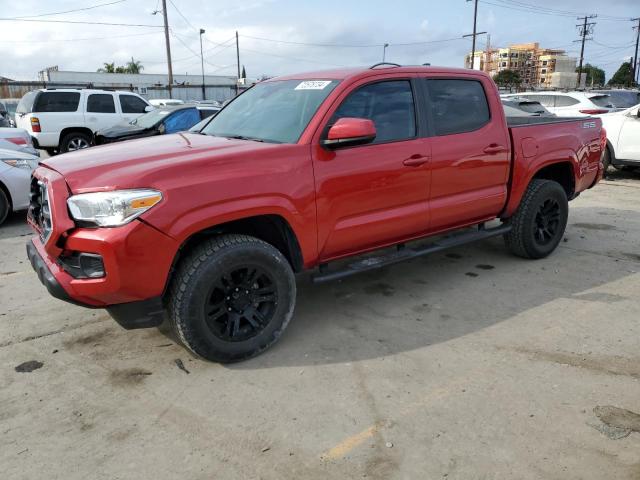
(403, 253)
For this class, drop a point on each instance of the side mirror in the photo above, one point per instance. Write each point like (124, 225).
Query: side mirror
(161, 129)
(347, 132)
(149, 108)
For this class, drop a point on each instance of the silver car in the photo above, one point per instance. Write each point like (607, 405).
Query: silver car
(17, 139)
(15, 181)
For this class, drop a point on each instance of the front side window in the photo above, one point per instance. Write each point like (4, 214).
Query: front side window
(132, 104)
(275, 111)
(181, 120)
(101, 103)
(57, 102)
(457, 106)
(388, 104)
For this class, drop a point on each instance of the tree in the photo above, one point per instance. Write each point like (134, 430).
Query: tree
(623, 77)
(507, 78)
(595, 75)
(108, 68)
(134, 66)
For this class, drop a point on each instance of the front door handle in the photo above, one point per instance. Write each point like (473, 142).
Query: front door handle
(416, 160)
(495, 148)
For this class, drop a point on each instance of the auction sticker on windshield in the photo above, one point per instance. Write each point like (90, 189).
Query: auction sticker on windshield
(313, 84)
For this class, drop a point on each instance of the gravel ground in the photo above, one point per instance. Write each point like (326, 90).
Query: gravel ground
(469, 364)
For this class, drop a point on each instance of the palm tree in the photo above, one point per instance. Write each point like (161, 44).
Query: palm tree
(134, 66)
(108, 68)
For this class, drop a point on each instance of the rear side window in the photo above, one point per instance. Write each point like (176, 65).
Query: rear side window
(565, 101)
(57, 102)
(457, 106)
(602, 101)
(390, 106)
(26, 102)
(132, 104)
(101, 103)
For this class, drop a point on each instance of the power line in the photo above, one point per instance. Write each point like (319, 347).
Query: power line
(80, 39)
(529, 8)
(183, 17)
(343, 45)
(79, 22)
(292, 58)
(91, 7)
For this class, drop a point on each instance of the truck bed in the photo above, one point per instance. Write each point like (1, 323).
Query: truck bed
(524, 120)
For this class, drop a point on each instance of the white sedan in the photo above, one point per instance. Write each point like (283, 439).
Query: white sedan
(623, 138)
(15, 181)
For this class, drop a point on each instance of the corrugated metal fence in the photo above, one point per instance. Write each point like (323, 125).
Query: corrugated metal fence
(16, 89)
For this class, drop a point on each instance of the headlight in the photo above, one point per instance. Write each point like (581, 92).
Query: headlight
(19, 163)
(112, 209)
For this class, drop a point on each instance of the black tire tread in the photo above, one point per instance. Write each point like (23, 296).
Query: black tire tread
(5, 206)
(515, 240)
(188, 267)
(65, 140)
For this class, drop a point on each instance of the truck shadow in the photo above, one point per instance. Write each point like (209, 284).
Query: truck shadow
(444, 296)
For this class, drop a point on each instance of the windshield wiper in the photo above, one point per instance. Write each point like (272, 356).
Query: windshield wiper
(242, 137)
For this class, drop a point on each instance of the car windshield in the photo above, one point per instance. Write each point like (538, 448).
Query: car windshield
(150, 119)
(275, 111)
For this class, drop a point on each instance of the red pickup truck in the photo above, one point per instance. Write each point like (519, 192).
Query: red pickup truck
(295, 173)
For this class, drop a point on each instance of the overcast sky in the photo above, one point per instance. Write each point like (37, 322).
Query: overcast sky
(360, 28)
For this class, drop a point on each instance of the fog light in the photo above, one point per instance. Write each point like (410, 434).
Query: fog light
(82, 265)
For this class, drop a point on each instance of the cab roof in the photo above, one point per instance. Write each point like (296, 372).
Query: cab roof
(364, 72)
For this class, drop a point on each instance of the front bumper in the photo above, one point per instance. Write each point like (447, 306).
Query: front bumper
(137, 259)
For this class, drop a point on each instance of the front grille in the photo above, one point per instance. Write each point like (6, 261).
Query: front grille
(40, 208)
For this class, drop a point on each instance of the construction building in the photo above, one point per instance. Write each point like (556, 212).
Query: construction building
(543, 68)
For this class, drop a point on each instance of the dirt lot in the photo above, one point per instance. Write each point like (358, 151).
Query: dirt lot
(470, 364)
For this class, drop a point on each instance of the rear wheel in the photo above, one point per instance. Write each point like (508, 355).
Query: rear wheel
(4, 206)
(231, 298)
(540, 221)
(606, 160)
(74, 141)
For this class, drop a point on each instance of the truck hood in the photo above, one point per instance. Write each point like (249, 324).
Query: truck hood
(148, 162)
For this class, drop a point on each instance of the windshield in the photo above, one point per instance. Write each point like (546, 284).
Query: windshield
(276, 111)
(26, 102)
(150, 119)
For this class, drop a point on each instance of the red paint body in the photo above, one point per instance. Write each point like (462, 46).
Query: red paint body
(337, 202)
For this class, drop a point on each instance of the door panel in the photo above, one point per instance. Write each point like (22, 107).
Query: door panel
(470, 153)
(629, 140)
(376, 194)
(101, 111)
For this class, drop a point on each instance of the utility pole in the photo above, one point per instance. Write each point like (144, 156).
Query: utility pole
(204, 95)
(487, 60)
(473, 52)
(166, 39)
(635, 61)
(474, 34)
(238, 62)
(585, 30)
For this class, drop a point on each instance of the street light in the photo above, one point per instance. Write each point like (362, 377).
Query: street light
(204, 96)
(384, 51)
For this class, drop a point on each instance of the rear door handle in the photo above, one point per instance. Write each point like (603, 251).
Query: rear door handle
(416, 160)
(495, 148)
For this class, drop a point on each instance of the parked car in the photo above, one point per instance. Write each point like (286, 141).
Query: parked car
(521, 106)
(65, 119)
(570, 104)
(165, 102)
(293, 174)
(622, 98)
(623, 138)
(17, 139)
(157, 122)
(15, 179)
(8, 106)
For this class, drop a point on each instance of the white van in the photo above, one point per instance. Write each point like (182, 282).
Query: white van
(65, 119)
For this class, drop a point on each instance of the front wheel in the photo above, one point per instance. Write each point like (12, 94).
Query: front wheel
(231, 298)
(4, 206)
(540, 221)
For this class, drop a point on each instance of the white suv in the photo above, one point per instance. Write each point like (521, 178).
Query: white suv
(65, 119)
(570, 104)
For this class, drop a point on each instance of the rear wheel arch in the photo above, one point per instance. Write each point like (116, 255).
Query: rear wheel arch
(559, 172)
(69, 130)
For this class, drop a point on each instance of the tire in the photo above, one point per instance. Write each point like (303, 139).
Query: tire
(606, 160)
(5, 206)
(74, 141)
(540, 221)
(231, 298)
(51, 151)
